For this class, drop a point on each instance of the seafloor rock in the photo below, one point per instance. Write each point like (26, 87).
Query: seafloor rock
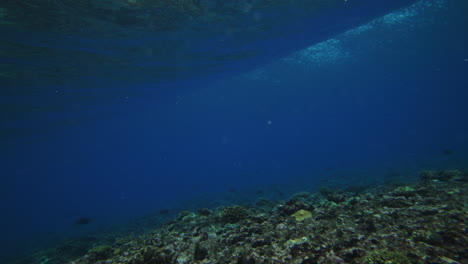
(233, 214)
(301, 215)
(204, 211)
(447, 175)
(293, 205)
(422, 223)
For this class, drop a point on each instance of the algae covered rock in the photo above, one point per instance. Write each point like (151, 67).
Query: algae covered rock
(386, 257)
(405, 191)
(301, 215)
(296, 241)
(186, 216)
(233, 214)
(200, 253)
(100, 252)
(293, 205)
(445, 176)
(204, 211)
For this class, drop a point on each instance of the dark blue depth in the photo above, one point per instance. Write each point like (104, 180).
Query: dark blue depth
(114, 142)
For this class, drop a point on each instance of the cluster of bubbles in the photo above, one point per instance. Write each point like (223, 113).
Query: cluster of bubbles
(335, 51)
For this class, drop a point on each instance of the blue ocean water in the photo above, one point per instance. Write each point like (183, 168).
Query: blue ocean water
(118, 122)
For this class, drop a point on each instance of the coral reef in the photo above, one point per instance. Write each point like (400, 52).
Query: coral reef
(421, 223)
(233, 214)
(301, 215)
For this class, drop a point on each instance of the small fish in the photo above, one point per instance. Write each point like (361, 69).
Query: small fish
(447, 152)
(83, 221)
(164, 212)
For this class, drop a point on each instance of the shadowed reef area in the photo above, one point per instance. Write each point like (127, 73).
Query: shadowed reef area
(423, 222)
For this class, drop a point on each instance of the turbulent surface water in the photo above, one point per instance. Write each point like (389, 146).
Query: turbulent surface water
(59, 58)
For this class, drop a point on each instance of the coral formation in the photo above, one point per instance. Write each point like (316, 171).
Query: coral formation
(301, 215)
(421, 223)
(233, 214)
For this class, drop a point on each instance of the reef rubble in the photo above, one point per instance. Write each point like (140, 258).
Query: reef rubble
(425, 222)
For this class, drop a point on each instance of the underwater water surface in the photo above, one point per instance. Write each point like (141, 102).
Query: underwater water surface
(111, 110)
